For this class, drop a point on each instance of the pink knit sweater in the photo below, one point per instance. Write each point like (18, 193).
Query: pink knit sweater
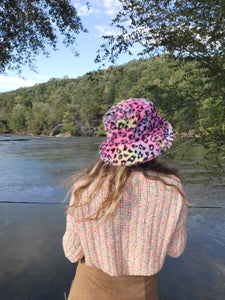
(148, 224)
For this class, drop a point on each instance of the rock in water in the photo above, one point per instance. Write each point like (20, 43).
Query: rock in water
(57, 129)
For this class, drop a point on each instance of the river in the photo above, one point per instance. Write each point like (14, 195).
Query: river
(32, 219)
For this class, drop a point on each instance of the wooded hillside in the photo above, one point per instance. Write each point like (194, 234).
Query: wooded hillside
(182, 91)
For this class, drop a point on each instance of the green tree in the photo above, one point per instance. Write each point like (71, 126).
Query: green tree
(28, 26)
(16, 118)
(184, 28)
(68, 127)
(38, 118)
(212, 118)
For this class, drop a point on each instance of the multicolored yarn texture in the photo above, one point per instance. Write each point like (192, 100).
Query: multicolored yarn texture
(135, 133)
(148, 224)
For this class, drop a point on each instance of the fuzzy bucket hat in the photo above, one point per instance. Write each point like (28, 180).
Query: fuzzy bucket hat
(135, 133)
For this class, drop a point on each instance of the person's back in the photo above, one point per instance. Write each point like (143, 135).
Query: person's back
(127, 212)
(136, 238)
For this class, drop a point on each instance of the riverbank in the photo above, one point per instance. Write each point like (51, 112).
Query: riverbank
(33, 265)
(93, 132)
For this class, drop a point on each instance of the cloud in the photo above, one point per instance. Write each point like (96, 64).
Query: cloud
(110, 12)
(109, 7)
(111, 4)
(83, 10)
(12, 83)
(104, 30)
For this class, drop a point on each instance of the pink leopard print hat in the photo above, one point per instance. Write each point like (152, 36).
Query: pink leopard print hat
(135, 133)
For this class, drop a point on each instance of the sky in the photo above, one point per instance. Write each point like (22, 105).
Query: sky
(63, 62)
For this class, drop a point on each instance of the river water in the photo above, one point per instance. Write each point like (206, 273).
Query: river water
(32, 219)
(34, 170)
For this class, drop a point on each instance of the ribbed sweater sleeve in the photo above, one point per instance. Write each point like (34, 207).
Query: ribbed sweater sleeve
(71, 241)
(178, 240)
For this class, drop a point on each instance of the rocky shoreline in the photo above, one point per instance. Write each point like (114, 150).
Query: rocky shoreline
(76, 128)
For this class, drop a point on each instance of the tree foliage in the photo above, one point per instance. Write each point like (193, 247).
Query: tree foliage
(180, 89)
(27, 27)
(184, 28)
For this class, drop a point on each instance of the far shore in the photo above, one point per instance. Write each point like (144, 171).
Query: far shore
(183, 135)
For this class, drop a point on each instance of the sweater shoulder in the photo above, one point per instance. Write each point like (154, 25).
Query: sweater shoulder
(137, 178)
(168, 178)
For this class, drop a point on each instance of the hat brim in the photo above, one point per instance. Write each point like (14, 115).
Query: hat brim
(131, 153)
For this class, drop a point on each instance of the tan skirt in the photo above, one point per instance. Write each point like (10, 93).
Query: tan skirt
(90, 283)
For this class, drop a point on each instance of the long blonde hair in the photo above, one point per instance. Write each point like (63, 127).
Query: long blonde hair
(118, 176)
